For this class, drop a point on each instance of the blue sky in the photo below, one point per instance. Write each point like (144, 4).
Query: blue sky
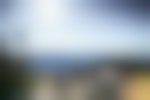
(75, 27)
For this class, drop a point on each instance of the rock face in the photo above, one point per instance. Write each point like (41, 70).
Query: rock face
(137, 86)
